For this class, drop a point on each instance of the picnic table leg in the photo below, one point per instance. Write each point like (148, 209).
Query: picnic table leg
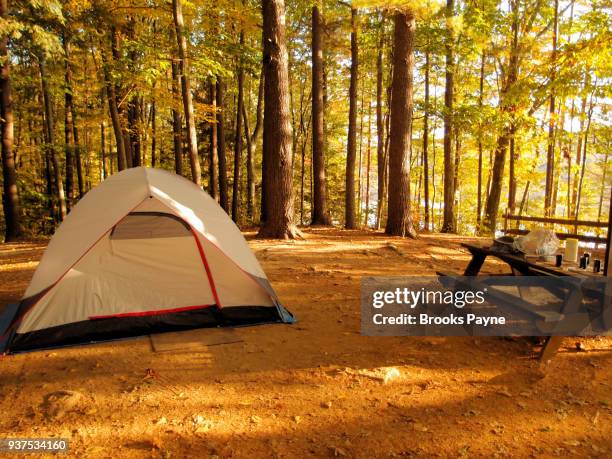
(473, 267)
(552, 345)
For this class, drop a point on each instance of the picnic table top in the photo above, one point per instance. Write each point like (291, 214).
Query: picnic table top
(533, 262)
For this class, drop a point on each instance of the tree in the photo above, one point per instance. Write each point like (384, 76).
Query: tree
(399, 221)
(192, 138)
(213, 160)
(238, 141)
(507, 106)
(279, 212)
(177, 124)
(68, 123)
(320, 214)
(380, 122)
(448, 225)
(426, 138)
(251, 139)
(10, 197)
(51, 147)
(111, 96)
(549, 210)
(351, 148)
(221, 155)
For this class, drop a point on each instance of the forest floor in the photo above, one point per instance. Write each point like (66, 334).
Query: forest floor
(315, 388)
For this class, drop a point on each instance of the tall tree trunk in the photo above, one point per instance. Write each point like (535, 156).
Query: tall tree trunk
(133, 108)
(250, 167)
(507, 108)
(223, 193)
(251, 141)
(380, 126)
(399, 221)
(448, 225)
(68, 123)
(583, 113)
(368, 163)
(480, 129)
(153, 132)
(512, 172)
(111, 95)
(320, 214)
(133, 116)
(278, 192)
(213, 162)
(177, 123)
(192, 138)
(103, 150)
(351, 153)
(10, 196)
(51, 147)
(584, 152)
(549, 211)
(125, 133)
(426, 139)
(238, 141)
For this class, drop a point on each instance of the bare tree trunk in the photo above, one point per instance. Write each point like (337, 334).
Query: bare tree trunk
(583, 110)
(10, 196)
(238, 142)
(351, 154)
(251, 141)
(111, 95)
(192, 138)
(550, 154)
(153, 132)
(480, 104)
(584, 152)
(213, 162)
(68, 124)
(507, 108)
(278, 192)
(380, 127)
(368, 162)
(448, 225)
(223, 192)
(125, 133)
(177, 124)
(103, 150)
(51, 147)
(320, 214)
(426, 139)
(399, 221)
(512, 172)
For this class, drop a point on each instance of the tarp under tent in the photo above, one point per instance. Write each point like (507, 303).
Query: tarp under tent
(146, 251)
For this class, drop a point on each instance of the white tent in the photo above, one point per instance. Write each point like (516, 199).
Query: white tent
(145, 251)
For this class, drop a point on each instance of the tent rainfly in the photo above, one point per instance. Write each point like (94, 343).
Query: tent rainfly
(146, 251)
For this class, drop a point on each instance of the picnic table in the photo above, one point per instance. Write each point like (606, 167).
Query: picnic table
(531, 266)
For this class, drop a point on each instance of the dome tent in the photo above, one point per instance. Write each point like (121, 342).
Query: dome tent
(144, 252)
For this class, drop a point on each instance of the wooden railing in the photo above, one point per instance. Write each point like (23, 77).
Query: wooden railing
(568, 223)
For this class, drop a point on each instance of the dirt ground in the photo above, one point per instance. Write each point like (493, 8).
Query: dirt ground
(316, 388)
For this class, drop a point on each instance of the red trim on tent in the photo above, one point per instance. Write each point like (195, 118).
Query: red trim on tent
(151, 313)
(18, 319)
(206, 267)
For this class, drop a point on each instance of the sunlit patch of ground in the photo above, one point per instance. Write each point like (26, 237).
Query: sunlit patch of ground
(317, 387)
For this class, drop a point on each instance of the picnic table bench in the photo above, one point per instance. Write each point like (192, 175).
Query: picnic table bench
(522, 265)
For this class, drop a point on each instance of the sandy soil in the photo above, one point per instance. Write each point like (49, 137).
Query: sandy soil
(315, 388)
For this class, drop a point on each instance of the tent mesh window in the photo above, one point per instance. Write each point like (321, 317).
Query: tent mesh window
(150, 225)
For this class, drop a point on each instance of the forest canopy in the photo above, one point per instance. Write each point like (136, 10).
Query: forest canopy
(505, 106)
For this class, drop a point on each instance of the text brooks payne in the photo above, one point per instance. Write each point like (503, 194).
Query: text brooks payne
(426, 319)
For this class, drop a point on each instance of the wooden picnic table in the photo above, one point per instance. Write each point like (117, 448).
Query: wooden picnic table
(532, 266)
